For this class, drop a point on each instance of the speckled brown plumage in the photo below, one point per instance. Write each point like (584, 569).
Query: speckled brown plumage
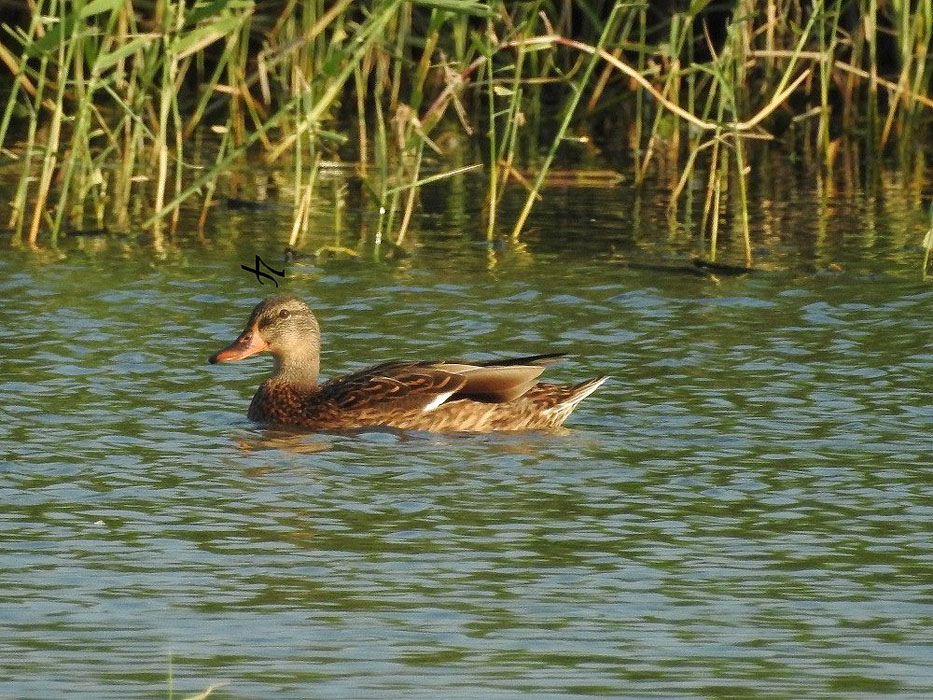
(435, 396)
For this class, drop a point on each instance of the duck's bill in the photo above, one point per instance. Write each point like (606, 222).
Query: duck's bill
(249, 343)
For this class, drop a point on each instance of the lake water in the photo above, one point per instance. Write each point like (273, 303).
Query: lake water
(743, 511)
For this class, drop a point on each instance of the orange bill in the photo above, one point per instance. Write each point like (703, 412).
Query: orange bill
(249, 343)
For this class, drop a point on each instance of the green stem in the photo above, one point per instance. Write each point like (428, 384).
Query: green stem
(565, 123)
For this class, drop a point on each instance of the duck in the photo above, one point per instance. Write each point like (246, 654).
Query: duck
(433, 396)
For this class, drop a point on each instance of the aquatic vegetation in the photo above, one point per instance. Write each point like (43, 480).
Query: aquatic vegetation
(927, 245)
(119, 111)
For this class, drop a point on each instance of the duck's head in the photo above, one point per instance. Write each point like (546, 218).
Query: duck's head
(285, 326)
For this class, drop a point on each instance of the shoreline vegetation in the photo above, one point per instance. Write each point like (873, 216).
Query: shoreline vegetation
(103, 101)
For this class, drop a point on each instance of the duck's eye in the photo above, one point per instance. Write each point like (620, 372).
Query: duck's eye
(284, 313)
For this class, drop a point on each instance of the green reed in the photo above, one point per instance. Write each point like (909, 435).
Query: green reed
(927, 245)
(103, 98)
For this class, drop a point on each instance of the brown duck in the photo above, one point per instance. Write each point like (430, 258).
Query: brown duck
(436, 396)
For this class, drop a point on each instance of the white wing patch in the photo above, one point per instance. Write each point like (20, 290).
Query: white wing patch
(436, 401)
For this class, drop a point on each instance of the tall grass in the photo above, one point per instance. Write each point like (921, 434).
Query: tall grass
(103, 98)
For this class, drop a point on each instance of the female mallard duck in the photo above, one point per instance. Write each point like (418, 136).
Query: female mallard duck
(436, 396)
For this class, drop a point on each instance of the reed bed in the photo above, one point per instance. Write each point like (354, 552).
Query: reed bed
(107, 101)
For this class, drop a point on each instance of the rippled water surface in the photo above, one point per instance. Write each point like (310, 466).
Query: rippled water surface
(745, 510)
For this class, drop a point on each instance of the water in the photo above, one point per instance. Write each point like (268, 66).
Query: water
(743, 512)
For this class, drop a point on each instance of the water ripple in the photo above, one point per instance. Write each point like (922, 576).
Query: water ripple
(743, 510)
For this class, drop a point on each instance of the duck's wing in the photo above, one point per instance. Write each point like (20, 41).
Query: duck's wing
(426, 385)
(495, 381)
(392, 386)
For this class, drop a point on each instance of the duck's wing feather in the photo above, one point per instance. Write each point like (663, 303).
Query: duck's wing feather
(540, 360)
(392, 386)
(426, 385)
(495, 383)
(500, 380)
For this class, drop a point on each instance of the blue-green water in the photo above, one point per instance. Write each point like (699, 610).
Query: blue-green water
(744, 511)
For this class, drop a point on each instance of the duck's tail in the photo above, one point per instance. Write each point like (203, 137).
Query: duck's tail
(581, 391)
(560, 411)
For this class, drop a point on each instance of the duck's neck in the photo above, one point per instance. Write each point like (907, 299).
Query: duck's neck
(297, 368)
